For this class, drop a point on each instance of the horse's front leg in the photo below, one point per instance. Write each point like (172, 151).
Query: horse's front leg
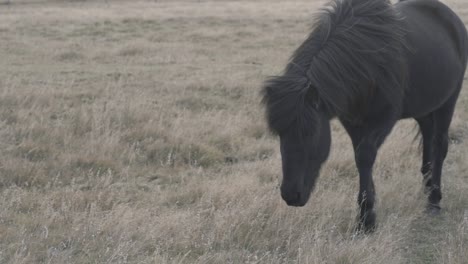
(367, 140)
(365, 154)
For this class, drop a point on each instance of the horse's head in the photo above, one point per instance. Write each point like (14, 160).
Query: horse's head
(295, 113)
(302, 157)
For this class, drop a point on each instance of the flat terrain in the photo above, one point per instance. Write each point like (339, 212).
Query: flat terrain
(131, 132)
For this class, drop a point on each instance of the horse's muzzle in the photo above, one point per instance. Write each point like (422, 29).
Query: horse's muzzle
(293, 198)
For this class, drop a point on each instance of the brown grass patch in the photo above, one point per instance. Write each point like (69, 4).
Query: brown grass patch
(131, 132)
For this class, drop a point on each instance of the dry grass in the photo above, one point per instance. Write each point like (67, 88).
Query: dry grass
(131, 132)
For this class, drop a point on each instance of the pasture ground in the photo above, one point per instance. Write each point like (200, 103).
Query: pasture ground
(131, 132)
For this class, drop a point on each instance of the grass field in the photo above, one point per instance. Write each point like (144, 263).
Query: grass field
(131, 132)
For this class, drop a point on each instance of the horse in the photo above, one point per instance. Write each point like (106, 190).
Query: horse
(368, 63)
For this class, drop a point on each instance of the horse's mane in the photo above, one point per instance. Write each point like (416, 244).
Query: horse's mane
(354, 51)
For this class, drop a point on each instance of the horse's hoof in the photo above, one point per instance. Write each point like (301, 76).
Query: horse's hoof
(433, 209)
(367, 224)
(362, 228)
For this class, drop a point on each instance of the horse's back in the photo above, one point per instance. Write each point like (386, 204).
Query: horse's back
(437, 15)
(437, 55)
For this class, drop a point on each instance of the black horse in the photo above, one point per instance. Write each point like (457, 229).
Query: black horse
(369, 63)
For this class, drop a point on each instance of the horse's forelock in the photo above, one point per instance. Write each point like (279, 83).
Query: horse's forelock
(288, 104)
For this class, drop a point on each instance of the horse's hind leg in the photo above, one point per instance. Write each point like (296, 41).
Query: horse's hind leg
(426, 125)
(442, 120)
